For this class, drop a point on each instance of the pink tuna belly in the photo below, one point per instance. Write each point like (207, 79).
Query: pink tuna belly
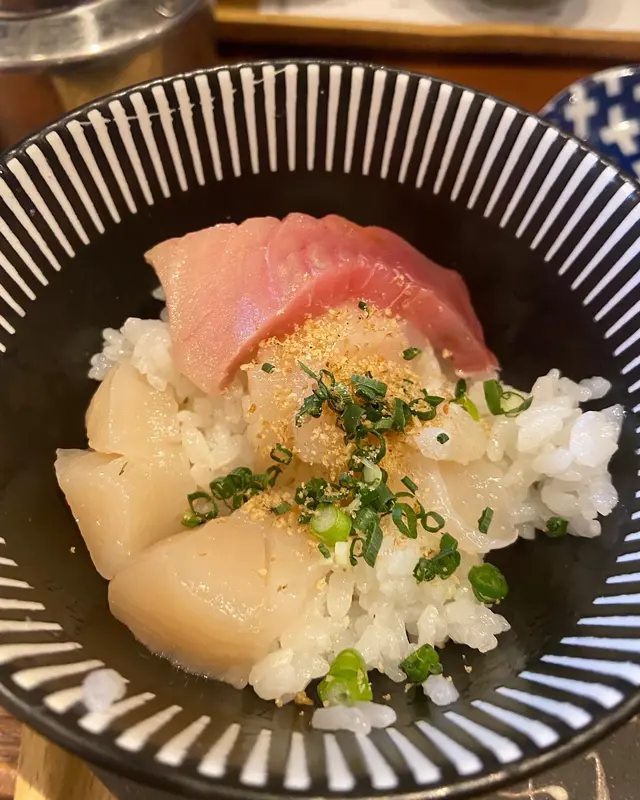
(230, 287)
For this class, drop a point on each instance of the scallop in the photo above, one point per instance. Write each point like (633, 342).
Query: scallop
(271, 405)
(464, 438)
(460, 494)
(127, 416)
(123, 505)
(228, 589)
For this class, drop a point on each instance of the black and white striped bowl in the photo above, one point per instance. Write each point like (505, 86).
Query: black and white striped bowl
(548, 238)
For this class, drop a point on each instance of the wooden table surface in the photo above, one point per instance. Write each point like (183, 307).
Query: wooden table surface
(527, 82)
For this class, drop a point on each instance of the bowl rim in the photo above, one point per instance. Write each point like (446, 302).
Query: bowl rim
(587, 80)
(561, 98)
(124, 766)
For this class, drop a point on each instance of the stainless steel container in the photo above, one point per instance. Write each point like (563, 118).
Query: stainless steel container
(58, 54)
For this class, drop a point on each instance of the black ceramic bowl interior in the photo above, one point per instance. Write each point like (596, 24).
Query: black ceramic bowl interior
(546, 236)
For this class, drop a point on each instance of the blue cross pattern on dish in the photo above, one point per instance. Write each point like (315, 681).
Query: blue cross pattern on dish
(604, 111)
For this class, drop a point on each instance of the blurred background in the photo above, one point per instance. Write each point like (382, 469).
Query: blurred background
(58, 54)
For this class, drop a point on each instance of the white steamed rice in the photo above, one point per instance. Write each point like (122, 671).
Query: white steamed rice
(102, 688)
(554, 458)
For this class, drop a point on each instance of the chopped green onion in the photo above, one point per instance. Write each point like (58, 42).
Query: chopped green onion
(372, 474)
(433, 399)
(272, 475)
(347, 681)
(374, 410)
(385, 498)
(190, 520)
(424, 570)
(556, 527)
(370, 451)
(421, 663)
(461, 389)
(322, 385)
(400, 416)
(402, 512)
(339, 397)
(485, 520)
(488, 583)
(513, 411)
(368, 388)
(311, 406)
(448, 559)
(234, 490)
(438, 521)
(410, 353)
(384, 424)
(500, 402)
(353, 559)
(470, 407)
(367, 521)
(311, 493)
(379, 498)
(267, 367)
(324, 550)
(462, 399)
(210, 510)
(411, 486)
(336, 395)
(362, 305)
(224, 488)
(346, 480)
(351, 417)
(281, 508)
(442, 438)
(330, 524)
(423, 414)
(493, 396)
(308, 371)
(442, 565)
(281, 455)
(193, 497)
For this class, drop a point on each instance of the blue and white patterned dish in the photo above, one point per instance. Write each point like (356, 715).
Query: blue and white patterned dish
(604, 111)
(547, 236)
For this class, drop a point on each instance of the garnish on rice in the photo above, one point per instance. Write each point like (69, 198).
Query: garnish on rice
(339, 477)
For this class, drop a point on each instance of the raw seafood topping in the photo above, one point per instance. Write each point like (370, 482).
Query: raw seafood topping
(310, 460)
(230, 287)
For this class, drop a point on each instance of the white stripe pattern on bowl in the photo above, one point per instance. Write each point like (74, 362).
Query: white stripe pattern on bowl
(482, 134)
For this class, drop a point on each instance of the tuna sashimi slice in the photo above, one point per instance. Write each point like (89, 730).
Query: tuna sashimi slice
(231, 286)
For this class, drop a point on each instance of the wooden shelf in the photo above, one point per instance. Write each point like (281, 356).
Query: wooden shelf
(242, 21)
